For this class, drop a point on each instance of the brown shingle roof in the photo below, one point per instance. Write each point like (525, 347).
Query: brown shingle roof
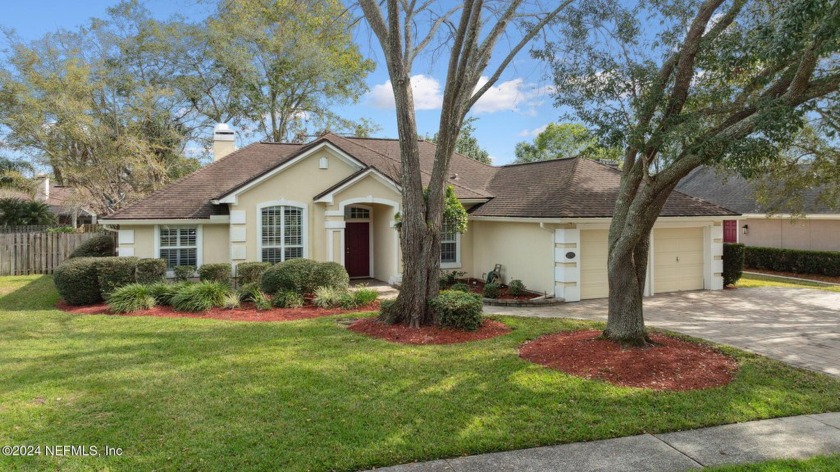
(571, 188)
(565, 188)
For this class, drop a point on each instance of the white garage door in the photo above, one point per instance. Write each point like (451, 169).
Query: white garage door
(593, 264)
(677, 259)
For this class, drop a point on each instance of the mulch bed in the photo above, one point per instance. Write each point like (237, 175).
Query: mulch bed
(819, 278)
(245, 313)
(477, 286)
(670, 364)
(427, 334)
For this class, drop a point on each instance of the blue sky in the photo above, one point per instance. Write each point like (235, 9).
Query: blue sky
(514, 110)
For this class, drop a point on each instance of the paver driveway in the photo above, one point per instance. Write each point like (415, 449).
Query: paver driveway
(795, 325)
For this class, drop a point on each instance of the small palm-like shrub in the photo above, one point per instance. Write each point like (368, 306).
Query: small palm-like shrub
(231, 301)
(184, 272)
(114, 272)
(163, 291)
(201, 296)
(492, 290)
(359, 297)
(101, 245)
(516, 288)
(329, 297)
(77, 281)
(131, 297)
(460, 287)
(215, 273)
(250, 272)
(287, 299)
(261, 301)
(458, 310)
(150, 271)
(248, 292)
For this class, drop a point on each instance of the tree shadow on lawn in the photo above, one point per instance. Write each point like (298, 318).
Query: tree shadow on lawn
(37, 294)
(213, 395)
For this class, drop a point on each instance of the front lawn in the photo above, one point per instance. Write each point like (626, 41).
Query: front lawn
(753, 280)
(198, 394)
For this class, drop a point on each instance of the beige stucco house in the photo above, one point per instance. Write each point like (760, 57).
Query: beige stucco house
(817, 228)
(335, 199)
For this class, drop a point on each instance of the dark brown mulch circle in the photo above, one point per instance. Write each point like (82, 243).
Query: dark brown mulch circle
(670, 364)
(427, 334)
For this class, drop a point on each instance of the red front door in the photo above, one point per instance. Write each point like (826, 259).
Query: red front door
(730, 231)
(357, 249)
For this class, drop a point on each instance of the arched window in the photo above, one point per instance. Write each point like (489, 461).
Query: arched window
(282, 233)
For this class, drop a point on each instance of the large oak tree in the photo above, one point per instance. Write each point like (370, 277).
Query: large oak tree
(684, 83)
(470, 33)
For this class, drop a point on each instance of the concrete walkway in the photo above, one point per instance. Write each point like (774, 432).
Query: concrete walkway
(795, 325)
(796, 437)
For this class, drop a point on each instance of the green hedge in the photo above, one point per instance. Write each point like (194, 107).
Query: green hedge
(215, 273)
(303, 276)
(733, 263)
(250, 272)
(101, 245)
(151, 271)
(458, 310)
(793, 260)
(115, 272)
(77, 280)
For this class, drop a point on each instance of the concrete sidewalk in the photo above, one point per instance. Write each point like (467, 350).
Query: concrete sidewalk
(795, 437)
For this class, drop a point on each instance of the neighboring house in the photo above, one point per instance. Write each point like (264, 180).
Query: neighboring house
(335, 199)
(817, 229)
(66, 203)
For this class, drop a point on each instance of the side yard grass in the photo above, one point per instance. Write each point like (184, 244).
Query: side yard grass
(752, 280)
(814, 464)
(196, 394)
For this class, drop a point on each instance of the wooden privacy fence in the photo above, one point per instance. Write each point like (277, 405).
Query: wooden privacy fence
(38, 253)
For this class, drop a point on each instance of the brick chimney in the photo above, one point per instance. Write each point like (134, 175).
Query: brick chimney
(223, 141)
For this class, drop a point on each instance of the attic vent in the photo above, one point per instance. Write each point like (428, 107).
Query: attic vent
(323, 163)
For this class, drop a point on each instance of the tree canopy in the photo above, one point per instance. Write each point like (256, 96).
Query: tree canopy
(682, 83)
(561, 140)
(467, 143)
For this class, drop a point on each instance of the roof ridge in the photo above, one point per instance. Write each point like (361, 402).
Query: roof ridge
(546, 161)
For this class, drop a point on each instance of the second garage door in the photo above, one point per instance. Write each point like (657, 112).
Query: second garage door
(677, 259)
(593, 264)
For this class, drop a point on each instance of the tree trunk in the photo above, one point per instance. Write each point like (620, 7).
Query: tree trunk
(626, 272)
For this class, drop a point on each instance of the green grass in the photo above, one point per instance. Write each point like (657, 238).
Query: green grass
(751, 280)
(200, 394)
(815, 464)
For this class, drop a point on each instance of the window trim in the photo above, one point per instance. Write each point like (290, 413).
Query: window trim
(304, 224)
(457, 263)
(199, 244)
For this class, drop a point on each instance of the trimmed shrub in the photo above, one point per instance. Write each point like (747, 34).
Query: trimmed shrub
(460, 287)
(793, 260)
(114, 272)
(458, 310)
(250, 272)
(131, 297)
(516, 288)
(329, 297)
(163, 291)
(101, 245)
(150, 271)
(492, 290)
(200, 297)
(449, 278)
(733, 263)
(184, 273)
(215, 273)
(77, 281)
(331, 274)
(297, 275)
(287, 299)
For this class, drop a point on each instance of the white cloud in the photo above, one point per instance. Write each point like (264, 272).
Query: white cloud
(427, 94)
(532, 133)
(513, 95)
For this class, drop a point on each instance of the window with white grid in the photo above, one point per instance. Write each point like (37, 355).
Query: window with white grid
(179, 245)
(282, 233)
(448, 243)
